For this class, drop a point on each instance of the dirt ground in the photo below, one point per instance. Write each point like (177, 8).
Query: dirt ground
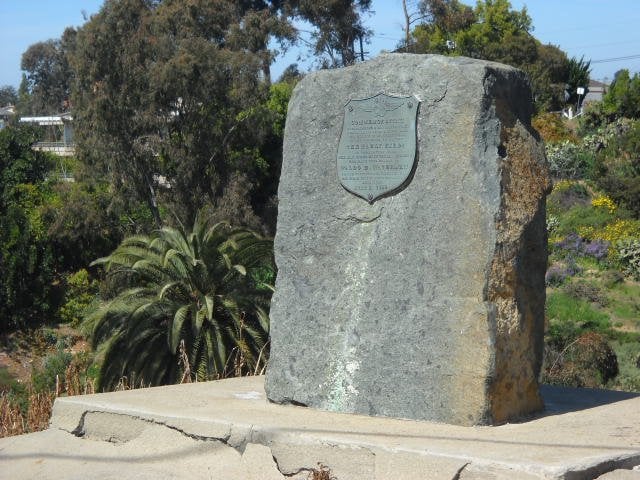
(20, 352)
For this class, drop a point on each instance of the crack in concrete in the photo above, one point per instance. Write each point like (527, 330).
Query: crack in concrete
(79, 431)
(297, 472)
(291, 474)
(459, 472)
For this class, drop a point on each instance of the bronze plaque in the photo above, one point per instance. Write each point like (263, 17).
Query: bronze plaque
(377, 148)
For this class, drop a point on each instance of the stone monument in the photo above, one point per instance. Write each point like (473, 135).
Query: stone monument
(411, 243)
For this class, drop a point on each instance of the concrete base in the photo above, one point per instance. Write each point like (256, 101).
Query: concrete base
(227, 429)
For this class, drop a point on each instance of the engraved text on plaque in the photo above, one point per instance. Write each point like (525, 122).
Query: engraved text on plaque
(377, 148)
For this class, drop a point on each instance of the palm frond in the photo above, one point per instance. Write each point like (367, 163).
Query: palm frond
(174, 285)
(176, 327)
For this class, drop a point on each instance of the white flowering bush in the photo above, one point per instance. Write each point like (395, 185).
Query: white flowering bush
(629, 256)
(568, 160)
(553, 222)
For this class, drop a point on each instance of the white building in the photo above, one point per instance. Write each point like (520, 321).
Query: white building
(59, 133)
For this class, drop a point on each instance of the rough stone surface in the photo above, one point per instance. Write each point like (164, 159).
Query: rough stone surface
(427, 304)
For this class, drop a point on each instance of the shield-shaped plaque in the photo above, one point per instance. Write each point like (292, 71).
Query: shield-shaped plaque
(377, 148)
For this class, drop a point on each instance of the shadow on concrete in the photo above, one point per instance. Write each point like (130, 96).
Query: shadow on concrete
(560, 400)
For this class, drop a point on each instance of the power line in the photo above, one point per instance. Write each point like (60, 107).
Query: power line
(601, 44)
(616, 59)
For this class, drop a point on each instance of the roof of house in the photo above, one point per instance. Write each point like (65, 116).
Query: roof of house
(48, 120)
(597, 84)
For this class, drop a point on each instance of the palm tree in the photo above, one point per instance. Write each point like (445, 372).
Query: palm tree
(190, 296)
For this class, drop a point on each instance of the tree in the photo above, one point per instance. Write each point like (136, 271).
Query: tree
(493, 31)
(197, 289)
(187, 103)
(443, 20)
(8, 96)
(82, 224)
(548, 75)
(114, 127)
(28, 294)
(410, 17)
(216, 94)
(490, 31)
(339, 33)
(623, 97)
(48, 74)
(619, 167)
(578, 76)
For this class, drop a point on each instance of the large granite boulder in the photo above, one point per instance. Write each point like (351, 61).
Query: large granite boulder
(428, 303)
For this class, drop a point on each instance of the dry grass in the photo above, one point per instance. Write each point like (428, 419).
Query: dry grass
(73, 384)
(39, 411)
(14, 422)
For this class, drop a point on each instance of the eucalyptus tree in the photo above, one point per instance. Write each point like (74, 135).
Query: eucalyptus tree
(115, 123)
(170, 103)
(339, 33)
(441, 20)
(48, 75)
(211, 81)
(178, 293)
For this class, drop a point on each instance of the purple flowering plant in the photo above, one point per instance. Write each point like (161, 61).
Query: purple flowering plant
(598, 249)
(574, 245)
(558, 273)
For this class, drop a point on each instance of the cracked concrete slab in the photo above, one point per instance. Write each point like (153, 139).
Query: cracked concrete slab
(227, 429)
(157, 453)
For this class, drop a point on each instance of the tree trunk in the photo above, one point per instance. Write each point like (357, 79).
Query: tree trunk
(153, 203)
(407, 25)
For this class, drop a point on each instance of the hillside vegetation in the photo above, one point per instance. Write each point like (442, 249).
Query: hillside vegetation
(593, 221)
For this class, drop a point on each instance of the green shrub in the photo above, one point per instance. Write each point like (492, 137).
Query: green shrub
(583, 219)
(618, 169)
(612, 278)
(628, 311)
(628, 353)
(7, 382)
(588, 361)
(593, 117)
(565, 195)
(54, 365)
(570, 317)
(627, 383)
(28, 283)
(81, 293)
(623, 96)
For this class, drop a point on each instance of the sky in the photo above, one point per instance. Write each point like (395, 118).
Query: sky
(605, 31)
